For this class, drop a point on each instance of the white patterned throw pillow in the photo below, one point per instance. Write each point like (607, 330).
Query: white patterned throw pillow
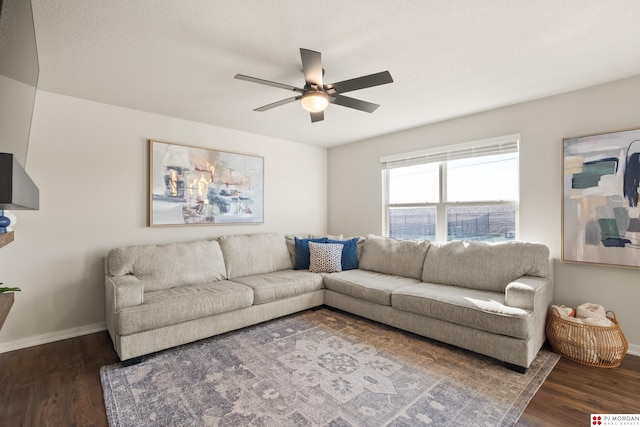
(325, 257)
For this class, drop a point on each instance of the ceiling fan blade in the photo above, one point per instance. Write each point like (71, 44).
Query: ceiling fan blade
(363, 82)
(357, 104)
(267, 82)
(317, 117)
(277, 104)
(312, 67)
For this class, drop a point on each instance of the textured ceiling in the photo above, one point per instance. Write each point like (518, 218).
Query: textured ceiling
(448, 57)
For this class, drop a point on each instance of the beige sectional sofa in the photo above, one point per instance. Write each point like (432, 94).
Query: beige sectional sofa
(489, 298)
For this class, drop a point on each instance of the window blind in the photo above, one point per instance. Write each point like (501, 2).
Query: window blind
(487, 147)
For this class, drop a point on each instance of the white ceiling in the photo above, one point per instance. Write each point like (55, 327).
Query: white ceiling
(448, 58)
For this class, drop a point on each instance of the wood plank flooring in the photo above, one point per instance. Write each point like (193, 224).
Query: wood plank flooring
(573, 391)
(58, 384)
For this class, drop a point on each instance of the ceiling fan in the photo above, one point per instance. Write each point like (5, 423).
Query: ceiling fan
(316, 96)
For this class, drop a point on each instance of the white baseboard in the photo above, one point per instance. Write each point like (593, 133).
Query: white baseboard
(51, 337)
(634, 349)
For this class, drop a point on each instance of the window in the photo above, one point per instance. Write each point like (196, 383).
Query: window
(461, 192)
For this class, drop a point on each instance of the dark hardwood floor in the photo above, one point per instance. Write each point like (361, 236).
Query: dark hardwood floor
(573, 391)
(58, 384)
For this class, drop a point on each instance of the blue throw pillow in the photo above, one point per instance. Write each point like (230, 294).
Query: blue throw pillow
(349, 253)
(303, 256)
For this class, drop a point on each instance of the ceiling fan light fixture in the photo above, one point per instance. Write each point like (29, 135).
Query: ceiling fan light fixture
(315, 101)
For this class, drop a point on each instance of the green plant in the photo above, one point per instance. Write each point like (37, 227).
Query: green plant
(5, 289)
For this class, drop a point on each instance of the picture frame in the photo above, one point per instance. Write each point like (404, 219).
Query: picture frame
(600, 212)
(199, 186)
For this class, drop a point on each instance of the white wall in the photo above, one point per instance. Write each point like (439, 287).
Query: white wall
(90, 162)
(355, 181)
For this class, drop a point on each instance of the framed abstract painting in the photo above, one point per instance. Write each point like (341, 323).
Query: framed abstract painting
(600, 212)
(190, 185)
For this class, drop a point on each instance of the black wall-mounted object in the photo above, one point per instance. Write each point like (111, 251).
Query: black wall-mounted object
(17, 190)
(19, 72)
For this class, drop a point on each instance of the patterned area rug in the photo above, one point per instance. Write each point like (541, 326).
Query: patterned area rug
(319, 368)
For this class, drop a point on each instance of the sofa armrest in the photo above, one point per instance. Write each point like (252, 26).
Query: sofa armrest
(123, 291)
(527, 291)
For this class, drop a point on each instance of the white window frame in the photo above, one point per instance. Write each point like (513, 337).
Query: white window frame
(442, 154)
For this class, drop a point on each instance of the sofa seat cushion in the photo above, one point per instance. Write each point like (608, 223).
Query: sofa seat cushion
(181, 304)
(484, 310)
(367, 285)
(281, 284)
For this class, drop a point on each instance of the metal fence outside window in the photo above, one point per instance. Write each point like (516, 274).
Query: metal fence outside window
(463, 223)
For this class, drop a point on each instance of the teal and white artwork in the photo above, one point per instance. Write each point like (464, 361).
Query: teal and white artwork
(601, 217)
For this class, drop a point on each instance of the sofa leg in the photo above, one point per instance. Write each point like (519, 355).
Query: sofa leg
(519, 369)
(132, 361)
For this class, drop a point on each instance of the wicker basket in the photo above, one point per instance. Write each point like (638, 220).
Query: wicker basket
(601, 346)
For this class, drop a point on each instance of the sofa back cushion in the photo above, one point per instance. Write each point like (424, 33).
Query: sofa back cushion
(167, 266)
(391, 256)
(482, 265)
(250, 254)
